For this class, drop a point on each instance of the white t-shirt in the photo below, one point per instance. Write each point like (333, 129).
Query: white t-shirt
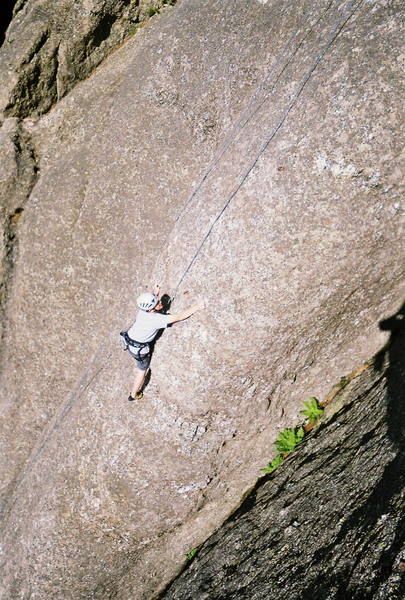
(146, 326)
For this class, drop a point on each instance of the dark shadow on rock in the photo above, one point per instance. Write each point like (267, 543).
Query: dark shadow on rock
(147, 380)
(166, 302)
(7, 10)
(394, 353)
(359, 529)
(358, 455)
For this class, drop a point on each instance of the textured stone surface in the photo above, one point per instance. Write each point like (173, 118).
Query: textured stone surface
(299, 109)
(329, 524)
(50, 45)
(18, 174)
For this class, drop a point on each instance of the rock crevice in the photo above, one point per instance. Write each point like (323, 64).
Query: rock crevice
(41, 64)
(20, 171)
(297, 272)
(328, 523)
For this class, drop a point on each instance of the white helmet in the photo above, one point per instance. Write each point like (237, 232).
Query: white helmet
(147, 301)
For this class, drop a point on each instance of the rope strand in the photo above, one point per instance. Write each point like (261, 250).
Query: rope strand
(352, 6)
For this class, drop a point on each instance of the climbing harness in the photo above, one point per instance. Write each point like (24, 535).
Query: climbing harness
(138, 346)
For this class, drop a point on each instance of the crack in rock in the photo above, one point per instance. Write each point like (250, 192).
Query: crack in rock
(17, 179)
(43, 65)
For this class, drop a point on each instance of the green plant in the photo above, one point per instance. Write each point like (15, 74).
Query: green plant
(273, 465)
(313, 411)
(343, 382)
(288, 439)
(152, 11)
(191, 554)
(134, 29)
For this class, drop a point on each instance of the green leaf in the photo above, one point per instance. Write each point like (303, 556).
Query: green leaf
(288, 439)
(273, 465)
(191, 554)
(313, 410)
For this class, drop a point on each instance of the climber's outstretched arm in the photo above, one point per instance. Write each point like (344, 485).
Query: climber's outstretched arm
(185, 314)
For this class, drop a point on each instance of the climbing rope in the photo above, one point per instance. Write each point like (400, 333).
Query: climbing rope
(96, 365)
(351, 8)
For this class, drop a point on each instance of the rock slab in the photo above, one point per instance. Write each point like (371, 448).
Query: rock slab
(234, 150)
(329, 524)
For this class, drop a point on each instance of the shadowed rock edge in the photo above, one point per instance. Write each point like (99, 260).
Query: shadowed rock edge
(27, 172)
(383, 377)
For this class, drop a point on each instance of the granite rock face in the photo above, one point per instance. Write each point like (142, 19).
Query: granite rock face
(329, 523)
(18, 174)
(50, 45)
(241, 152)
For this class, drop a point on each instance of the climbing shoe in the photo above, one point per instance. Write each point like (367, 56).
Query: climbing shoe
(138, 396)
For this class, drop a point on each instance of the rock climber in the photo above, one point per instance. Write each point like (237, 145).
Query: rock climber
(148, 323)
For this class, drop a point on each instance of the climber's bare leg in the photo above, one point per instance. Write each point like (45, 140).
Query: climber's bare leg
(138, 381)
